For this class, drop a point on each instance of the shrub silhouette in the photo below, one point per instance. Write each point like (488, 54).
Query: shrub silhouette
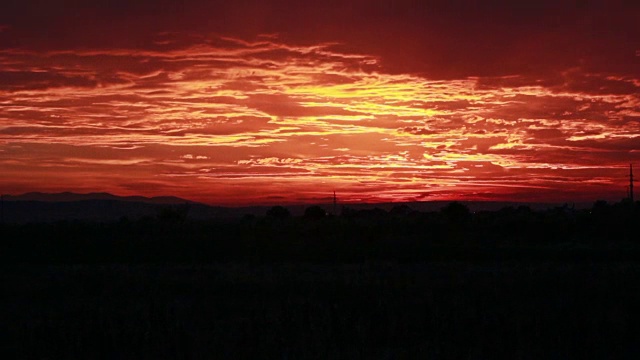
(173, 214)
(400, 210)
(278, 212)
(456, 213)
(314, 212)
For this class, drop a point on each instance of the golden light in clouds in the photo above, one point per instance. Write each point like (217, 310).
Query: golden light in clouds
(226, 120)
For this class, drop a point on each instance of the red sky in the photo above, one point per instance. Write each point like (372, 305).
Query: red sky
(243, 102)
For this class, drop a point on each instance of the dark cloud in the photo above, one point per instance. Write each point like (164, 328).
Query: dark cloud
(493, 82)
(40, 80)
(602, 85)
(441, 39)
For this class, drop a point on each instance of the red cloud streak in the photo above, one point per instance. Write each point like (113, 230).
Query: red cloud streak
(264, 101)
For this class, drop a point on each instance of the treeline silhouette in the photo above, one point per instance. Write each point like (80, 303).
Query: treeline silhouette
(602, 232)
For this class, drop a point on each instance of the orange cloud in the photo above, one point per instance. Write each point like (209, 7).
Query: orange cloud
(231, 121)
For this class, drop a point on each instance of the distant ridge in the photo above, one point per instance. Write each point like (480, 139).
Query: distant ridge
(100, 206)
(70, 197)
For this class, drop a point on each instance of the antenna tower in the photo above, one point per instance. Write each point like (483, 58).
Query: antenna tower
(631, 182)
(335, 203)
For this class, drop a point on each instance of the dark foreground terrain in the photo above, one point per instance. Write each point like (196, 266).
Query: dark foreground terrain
(514, 284)
(304, 311)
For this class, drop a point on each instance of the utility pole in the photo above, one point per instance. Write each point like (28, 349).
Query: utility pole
(335, 204)
(631, 182)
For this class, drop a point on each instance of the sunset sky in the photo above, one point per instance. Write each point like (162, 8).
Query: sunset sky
(276, 102)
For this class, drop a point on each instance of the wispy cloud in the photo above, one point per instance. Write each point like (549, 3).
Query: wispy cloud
(227, 120)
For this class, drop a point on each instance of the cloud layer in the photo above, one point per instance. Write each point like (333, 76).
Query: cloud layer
(233, 119)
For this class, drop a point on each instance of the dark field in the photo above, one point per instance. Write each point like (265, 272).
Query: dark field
(513, 284)
(304, 311)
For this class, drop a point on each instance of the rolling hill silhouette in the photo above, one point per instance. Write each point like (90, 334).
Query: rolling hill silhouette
(70, 196)
(101, 206)
(48, 207)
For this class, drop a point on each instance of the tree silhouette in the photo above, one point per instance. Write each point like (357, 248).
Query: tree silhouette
(456, 213)
(173, 214)
(314, 212)
(278, 212)
(400, 210)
